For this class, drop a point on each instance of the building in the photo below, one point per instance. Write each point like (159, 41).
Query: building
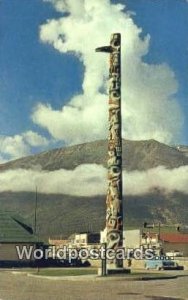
(175, 241)
(135, 238)
(151, 240)
(55, 245)
(15, 232)
(58, 243)
(84, 239)
(161, 243)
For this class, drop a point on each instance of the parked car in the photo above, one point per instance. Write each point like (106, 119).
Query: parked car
(174, 253)
(160, 264)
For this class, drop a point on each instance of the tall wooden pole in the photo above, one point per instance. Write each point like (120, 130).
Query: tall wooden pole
(114, 208)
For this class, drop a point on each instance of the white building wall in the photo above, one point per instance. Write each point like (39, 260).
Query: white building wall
(132, 238)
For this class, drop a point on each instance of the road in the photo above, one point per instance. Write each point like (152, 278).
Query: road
(22, 287)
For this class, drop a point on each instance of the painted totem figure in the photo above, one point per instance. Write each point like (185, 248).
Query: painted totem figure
(114, 209)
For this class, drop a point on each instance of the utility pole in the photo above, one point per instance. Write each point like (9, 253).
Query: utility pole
(36, 203)
(114, 207)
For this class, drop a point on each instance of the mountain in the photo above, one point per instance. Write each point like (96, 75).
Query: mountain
(62, 214)
(137, 155)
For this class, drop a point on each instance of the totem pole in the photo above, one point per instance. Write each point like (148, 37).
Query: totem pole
(114, 208)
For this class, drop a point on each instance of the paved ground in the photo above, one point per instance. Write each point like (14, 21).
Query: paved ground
(22, 287)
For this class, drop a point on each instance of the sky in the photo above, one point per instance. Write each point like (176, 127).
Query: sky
(53, 86)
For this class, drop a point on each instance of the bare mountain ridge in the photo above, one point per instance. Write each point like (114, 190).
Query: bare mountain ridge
(60, 215)
(137, 155)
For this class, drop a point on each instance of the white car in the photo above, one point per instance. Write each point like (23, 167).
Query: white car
(174, 253)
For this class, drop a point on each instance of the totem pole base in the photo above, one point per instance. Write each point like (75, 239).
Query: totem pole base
(113, 270)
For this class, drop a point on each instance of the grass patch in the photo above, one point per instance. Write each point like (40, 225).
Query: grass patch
(66, 272)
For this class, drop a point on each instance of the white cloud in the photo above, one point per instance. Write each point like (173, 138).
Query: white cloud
(12, 147)
(34, 139)
(167, 180)
(149, 107)
(90, 180)
(74, 124)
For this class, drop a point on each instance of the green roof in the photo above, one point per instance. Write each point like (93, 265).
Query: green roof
(14, 228)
